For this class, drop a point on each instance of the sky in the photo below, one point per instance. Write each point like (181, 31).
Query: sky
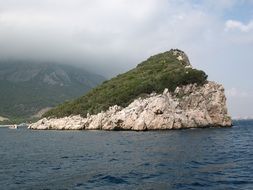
(113, 36)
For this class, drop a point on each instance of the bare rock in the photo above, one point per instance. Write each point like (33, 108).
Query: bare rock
(182, 57)
(189, 106)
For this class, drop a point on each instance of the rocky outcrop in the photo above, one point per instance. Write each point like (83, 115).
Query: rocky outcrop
(182, 57)
(189, 106)
(3, 118)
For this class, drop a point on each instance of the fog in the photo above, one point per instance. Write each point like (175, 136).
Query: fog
(99, 35)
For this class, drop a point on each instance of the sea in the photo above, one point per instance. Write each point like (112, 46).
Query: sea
(210, 158)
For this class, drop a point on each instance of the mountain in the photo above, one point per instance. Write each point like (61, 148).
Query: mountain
(166, 70)
(27, 88)
(163, 92)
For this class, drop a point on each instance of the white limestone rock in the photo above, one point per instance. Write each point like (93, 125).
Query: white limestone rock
(182, 57)
(190, 106)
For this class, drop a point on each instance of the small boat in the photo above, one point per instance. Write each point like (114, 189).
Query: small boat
(13, 126)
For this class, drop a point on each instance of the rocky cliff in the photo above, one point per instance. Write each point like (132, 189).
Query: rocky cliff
(187, 107)
(190, 105)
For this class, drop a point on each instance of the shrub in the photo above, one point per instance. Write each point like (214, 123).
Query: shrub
(155, 74)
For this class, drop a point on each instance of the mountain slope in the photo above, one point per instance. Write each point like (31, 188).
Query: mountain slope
(28, 87)
(166, 70)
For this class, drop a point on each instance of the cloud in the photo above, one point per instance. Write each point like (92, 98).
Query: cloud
(112, 36)
(237, 25)
(234, 92)
(117, 34)
(112, 33)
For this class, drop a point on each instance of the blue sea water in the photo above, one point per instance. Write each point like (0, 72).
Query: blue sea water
(214, 158)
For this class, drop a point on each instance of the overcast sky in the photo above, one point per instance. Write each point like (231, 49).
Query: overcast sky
(112, 36)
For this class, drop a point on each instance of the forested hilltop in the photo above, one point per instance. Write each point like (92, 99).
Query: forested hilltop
(165, 70)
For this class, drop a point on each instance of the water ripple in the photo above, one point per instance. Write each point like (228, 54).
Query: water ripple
(186, 159)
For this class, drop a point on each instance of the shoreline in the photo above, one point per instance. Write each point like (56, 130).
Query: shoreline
(131, 130)
(14, 126)
(5, 126)
(189, 106)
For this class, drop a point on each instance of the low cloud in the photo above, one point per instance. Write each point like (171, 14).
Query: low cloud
(237, 25)
(98, 34)
(234, 92)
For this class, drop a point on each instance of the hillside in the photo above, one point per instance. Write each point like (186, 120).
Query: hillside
(166, 70)
(27, 88)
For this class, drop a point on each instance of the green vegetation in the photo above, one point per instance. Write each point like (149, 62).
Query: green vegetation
(155, 74)
(26, 87)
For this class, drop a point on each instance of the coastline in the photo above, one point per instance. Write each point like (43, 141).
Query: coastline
(189, 106)
(5, 126)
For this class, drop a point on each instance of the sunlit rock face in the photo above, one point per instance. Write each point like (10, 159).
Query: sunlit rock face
(182, 57)
(189, 106)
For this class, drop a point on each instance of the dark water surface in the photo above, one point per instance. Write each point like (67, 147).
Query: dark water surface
(220, 158)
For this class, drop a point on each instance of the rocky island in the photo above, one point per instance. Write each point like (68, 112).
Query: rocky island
(163, 92)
